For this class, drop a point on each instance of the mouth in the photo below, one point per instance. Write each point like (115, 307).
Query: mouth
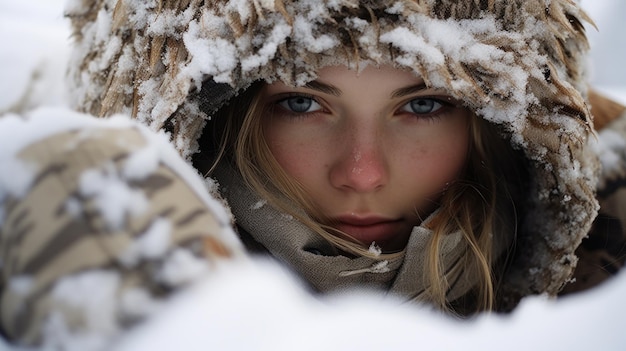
(370, 229)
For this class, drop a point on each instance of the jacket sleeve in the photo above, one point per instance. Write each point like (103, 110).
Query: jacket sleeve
(100, 221)
(603, 252)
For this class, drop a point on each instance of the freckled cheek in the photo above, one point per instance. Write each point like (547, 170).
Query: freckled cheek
(298, 158)
(437, 162)
(453, 158)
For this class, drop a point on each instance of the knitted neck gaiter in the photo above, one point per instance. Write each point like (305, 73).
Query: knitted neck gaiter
(325, 268)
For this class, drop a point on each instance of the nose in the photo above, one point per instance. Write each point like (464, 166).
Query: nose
(361, 166)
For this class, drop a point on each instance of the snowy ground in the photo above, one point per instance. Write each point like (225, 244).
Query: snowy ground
(259, 307)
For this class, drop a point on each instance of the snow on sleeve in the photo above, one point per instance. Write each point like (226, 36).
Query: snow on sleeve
(90, 302)
(17, 132)
(113, 196)
(150, 259)
(109, 187)
(151, 244)
(182, 266)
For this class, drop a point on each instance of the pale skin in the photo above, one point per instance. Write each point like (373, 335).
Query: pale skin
(374, 150)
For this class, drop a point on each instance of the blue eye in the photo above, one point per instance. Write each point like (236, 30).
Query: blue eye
(300, 104)
(422, 106)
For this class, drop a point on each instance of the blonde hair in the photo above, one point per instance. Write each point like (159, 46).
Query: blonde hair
(472, 205)
(484, 206)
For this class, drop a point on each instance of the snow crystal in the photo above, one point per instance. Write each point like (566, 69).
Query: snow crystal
(103, 27)
(168, 22)
(141, 163)
(182, 267)
(212, 57)
(314, 10)
(396, 8)
(404, 39)
(242, 8)
(357, 23)
(277, 36)
(125, 62)
(112, 196)
(303, 33)
(151, 244)
(212, 185)
(268, 4)
(110, 53)
(149, 90)
(375, 249)
(258, 204)
(378, 267)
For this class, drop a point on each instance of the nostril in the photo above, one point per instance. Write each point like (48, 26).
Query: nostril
(361, 171)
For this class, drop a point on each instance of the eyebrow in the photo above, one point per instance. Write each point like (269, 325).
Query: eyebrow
(324, 88)
(408, 90)
(333, 90)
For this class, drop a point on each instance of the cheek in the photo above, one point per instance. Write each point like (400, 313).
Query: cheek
(296, 154)
(451, 156)
(438, 160)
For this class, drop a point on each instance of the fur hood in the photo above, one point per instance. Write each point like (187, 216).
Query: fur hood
(516, 63)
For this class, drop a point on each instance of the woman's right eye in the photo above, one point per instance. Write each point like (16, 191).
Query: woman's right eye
(300, 104)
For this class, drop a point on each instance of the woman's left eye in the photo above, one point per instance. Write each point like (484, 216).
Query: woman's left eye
(422, 106)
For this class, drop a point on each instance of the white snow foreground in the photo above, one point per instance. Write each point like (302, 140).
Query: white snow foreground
(260, 307)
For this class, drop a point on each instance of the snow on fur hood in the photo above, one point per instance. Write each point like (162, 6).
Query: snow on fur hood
(516, 63)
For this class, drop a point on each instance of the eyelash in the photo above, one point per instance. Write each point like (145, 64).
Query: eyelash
(443, 102)
(444, 105)
(286, 97)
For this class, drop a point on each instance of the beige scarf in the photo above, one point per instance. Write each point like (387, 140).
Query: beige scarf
(321, 264)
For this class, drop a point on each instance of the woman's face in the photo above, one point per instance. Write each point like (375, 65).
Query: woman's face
(373, 151)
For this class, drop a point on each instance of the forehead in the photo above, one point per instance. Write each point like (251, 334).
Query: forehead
(341, 80)
(379, 75)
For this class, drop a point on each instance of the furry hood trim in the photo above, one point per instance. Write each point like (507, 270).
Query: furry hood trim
(516, 63)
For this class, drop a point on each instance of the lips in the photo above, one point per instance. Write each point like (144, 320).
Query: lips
(368, 229)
